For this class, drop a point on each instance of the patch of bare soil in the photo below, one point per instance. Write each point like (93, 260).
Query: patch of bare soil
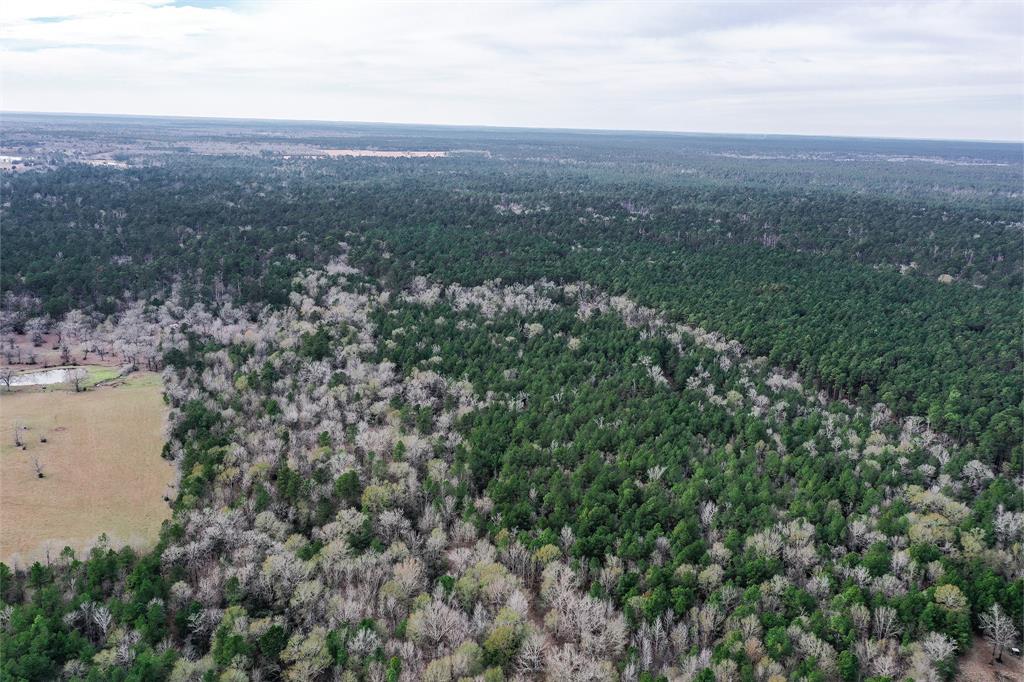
(974, 666)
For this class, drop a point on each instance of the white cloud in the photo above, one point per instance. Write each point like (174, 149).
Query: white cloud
(934, 69)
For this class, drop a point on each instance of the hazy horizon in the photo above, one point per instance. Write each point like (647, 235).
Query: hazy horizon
(484, 126)
(914, 70)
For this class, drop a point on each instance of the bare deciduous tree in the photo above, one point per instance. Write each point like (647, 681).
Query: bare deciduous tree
(76, 376)
(999, 630)
(939, 647)
(103, 619)
(35, 328)
(885, 623)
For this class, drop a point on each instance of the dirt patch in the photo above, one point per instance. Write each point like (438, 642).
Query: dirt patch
(101, 463)
(974, 666)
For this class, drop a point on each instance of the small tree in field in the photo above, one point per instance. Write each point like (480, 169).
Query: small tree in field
(76, 377)
(6, 375)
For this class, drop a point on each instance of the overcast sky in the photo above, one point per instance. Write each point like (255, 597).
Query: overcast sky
(905, 69)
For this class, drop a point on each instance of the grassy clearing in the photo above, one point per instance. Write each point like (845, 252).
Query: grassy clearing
(100, 374)
(101, 462)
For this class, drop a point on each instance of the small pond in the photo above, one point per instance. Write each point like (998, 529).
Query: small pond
(45, 376)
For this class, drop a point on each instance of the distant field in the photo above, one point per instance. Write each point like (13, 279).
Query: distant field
(102, 467)
(334, 153)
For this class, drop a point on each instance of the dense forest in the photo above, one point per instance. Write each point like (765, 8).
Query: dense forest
(555, 405)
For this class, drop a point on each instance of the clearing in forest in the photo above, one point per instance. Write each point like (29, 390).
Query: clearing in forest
(977, 666)
(386, 154)
(101, 464)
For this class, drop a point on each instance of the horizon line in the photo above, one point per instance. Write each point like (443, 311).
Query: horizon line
(4, 112)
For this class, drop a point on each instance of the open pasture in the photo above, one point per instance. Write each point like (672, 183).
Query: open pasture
(101, 465)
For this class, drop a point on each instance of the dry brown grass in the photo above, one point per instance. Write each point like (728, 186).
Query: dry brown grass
(102, 466)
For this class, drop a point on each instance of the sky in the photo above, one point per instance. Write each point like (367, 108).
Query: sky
(947, 70)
